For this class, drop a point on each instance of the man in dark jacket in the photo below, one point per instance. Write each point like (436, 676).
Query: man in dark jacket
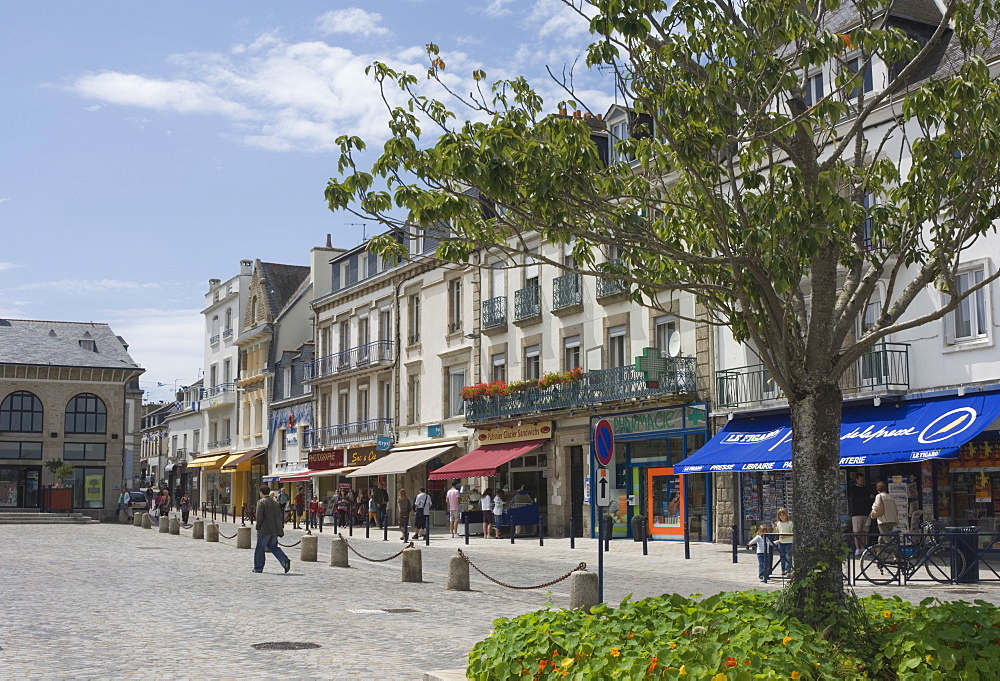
(270, 526)
(381, 503)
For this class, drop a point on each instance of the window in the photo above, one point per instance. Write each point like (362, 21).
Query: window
(88, 344)
(196, 441)
(227, 371)
(385, 324)
(343, 406)
(384, 399)
(213, 375)
(663, 328)
(874, 365)
(364, 411)
(173, 445)
(969, 318)
(499, 362)
(619, 133)
(498, 280)
(363, 331)
(532, 363)
(531, 270)
(413, 399)
(86, 413)
(229, 320)
(454, 305)
(246, 419)
(213, 432)
(227, 430)
(85, 451)
(88, 487)
(284, 444)
(866, 83)
(21, 450)
(215, 328)
(345, 341)
(253, 311)
(456, 381)
(21, 412)
(868, 201)
(571, 352)
(362, 265)
(814, 88)
(287, 382)
(413, 318)
(258, 417)
(616, 346)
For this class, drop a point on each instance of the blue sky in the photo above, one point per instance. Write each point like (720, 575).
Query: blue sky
(149, 147)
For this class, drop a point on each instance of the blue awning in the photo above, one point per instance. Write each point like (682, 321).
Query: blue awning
(894, 432)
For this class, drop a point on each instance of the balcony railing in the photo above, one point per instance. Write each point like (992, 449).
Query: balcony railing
(376, 352)
(494, 312)
(216, 390)
(527, 303)
(214, 340)
(227, 333)
(885, 367)
(566, 291)
(608, 287)
(217, 444)
(347, 433)
(596, 387)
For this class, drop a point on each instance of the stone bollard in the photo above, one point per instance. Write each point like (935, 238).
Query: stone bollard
(175, 525)
(137, 519)
(164, 524)
(212, 532)
(242, 537)
(458, 574)
(146, 522)
(198, 529)
(583, 590)
(338, 552)
(413, 570)
(310, 546)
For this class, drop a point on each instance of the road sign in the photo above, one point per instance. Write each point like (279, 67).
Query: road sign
(603, 487)
(604, 442)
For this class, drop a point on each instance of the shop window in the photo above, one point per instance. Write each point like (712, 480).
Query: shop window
(88, 487)
(86, 413)
(84, 451)
(21, 412)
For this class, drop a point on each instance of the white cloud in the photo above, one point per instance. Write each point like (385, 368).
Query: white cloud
(92, 107)
(4, 200)
(167, 343)
(353, 20)
(497, 8)
(554, 18)
(8, 265)
(181, 96)
(70, 286)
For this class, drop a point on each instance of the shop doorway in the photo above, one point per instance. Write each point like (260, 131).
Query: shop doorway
(20, 486)
(576, 488)
(664, 492)
(533, 483)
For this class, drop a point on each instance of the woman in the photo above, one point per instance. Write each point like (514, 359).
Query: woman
(185, 508)
(164, 502)
(499, 505)
(343, 507)
(403, 507)
(372, 509)
(785, 532)
(486, 504)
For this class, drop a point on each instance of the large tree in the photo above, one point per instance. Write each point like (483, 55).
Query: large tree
(749, 187)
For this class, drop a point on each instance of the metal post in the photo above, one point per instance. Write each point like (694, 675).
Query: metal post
(385, 527)
(467, 529)
(541, 539)
(687, 541)
(335, 522)
(600, 560)
(645, 535)
(427, 528)
(350, 523)
(510, 527)
(321, 522)
(736, 555)
(607, 534)
(368, 527)
(572, 532)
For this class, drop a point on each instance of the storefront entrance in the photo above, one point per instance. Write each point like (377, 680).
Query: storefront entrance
(665, 503)
(20, 486)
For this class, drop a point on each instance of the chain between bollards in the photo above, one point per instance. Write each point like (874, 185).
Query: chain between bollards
(581, 566)
(409, 545)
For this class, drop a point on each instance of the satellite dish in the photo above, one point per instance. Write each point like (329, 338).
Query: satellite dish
(674, 344)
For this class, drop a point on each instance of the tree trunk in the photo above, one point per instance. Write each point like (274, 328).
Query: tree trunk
(817, 589)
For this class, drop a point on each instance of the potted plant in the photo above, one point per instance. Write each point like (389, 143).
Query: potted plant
(59, 496)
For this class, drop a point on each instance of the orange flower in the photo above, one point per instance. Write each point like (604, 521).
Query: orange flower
(746, 662)
(672, 645)
(796, 675)
(631, 636)
(541, 665)
(652, 665)
(887, 614)
(615, 652)
(730, 661)
(786, 640)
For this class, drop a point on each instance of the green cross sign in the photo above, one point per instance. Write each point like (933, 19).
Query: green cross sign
(651, 365)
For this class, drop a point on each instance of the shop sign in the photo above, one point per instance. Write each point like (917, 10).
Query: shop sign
(437, 430)
(528, 431)
(362, 456)
(326, 460)
(649, 421)
(383, 443)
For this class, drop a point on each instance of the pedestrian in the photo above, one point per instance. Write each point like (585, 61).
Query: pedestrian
(884, 511)
(403, 508)
(764, 546)
(314, 511)
(421, 515)
(270, 526)
(300, 508)
(185, 506)
(859, 502)
(125, 503)
(343, 507)
(372, 509)
(178, 492)
(381, 504)
(499, 505)
(454, 498)
(785, 531)
(283, 501)
(486, 504)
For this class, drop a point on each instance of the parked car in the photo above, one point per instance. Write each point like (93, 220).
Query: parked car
(138, 501)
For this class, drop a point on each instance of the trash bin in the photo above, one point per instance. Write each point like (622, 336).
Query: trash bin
(638, 528)
(964, 539)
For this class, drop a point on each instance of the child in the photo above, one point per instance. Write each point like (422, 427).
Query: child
(786, 531)
(764, 546)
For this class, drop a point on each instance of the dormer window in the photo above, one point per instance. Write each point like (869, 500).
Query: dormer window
(88, 344)
(619, 133)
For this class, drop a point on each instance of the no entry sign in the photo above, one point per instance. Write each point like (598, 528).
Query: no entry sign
(604, 442)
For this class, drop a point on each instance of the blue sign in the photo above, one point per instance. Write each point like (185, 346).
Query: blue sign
(604, 442)
(383, 443)
(436, 430)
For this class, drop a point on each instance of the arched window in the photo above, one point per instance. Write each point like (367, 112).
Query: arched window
(21, 412)
(86, 413)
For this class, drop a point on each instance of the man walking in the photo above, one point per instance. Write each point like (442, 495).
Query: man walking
(884, 511)
(454, 497)
(859, 503)
(381, 504)
(125, 503)
(421, 513)
(270, 526)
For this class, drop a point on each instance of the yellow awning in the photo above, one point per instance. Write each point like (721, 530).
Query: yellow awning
(207, 461)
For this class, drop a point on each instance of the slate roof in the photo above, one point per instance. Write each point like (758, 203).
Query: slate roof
(30, 341)
(280, 282)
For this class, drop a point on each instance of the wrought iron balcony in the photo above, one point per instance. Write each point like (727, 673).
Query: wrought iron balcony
(217, 444)
(886, 367)
(214, 340)
(494, 312)
(608, 287)
(566, 291)
(216, 390)
(347, 433)
(527, 303)
(596, 387)
(370, 354)
(227, 333)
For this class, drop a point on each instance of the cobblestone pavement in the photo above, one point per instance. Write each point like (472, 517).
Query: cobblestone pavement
(100, 601)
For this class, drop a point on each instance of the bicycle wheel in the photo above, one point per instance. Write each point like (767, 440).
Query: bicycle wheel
(878, 564)
(939, 563)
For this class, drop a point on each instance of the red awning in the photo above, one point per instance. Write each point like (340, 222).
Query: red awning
(299, 476)
(485, 460)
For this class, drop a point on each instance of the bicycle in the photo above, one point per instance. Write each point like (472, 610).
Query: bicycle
(905, 554)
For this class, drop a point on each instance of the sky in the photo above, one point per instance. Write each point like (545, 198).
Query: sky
(149, 147)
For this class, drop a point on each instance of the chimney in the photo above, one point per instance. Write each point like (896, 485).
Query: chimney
(576, 114)
(212, 283)
(562, 111)
(246, 267)
(329, 241)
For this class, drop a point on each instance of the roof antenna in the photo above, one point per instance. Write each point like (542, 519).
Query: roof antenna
(363, 226)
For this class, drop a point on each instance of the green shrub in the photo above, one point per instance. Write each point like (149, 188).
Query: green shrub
(739, 635)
